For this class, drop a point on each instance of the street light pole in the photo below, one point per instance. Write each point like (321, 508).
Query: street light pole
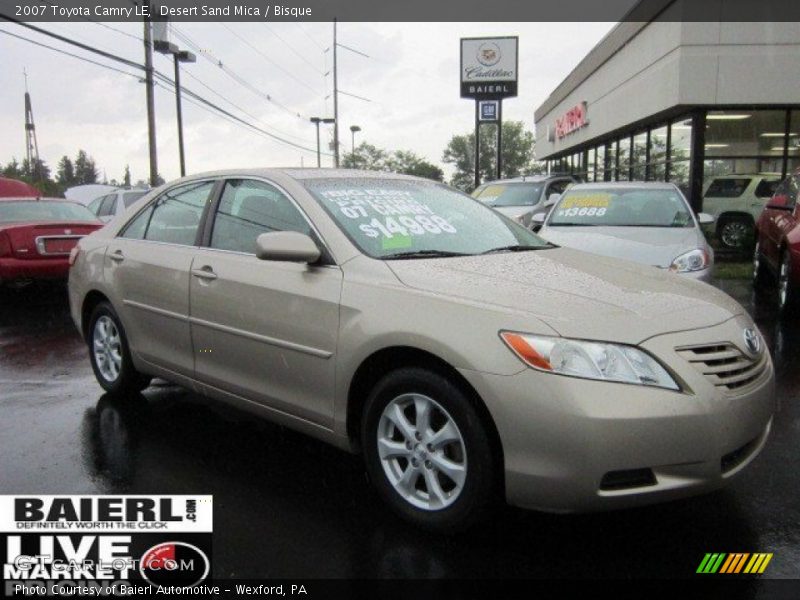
(180, 57)
(317, 121)
(353, 129)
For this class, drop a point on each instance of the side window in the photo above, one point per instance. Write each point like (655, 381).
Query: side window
(766, 188)
(727, 188)
(94, 205)
(135, 229)
(107, 207)
(249, 208)
(792, 189)
(557, 187)
(177, 213)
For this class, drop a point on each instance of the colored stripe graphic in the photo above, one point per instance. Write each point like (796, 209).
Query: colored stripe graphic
(720, 562)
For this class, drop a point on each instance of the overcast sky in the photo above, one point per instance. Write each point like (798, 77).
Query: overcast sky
(411, 78)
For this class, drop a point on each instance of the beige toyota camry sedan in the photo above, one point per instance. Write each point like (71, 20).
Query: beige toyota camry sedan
(463, 356)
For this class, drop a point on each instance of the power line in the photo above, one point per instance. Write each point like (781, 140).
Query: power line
(156, 73)
(308, 35)
(232, 74)
(269, 60)
(295, 52)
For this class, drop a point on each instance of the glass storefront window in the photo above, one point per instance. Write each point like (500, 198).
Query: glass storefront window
(611, 161)
(639, 157)
(601, 167)
(658, 145)
(681, 144)
(624, 162)
(745, 133)
(590, 168)
(794, 137)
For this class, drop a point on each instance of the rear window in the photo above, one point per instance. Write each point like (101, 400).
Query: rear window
(727, 188)
(766, 188)
(129, 198)
(14, 212)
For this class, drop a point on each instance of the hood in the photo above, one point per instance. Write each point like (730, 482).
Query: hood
(657, 246)
(577, 294)
(513, 212)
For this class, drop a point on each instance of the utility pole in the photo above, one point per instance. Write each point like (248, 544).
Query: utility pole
(335, 102)
(151, 111)
(31, 145)
(316, 121)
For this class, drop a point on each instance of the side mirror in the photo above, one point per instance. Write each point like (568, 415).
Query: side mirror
(779, 202)
(552, 199)
(537, 221)
(704, 218)
(289, 246)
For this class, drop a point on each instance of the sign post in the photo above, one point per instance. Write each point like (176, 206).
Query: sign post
(488, 74)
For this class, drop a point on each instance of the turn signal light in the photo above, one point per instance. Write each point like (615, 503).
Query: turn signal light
(73, 255)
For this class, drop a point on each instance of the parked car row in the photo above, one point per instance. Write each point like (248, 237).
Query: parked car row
(466, 357)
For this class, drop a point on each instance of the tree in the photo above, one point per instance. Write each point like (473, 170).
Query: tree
(66, 172)
(366, 156)
(85, 169)
(405, 161)
(126, 179)
(518, 158)
(12, 169)
(35, 171)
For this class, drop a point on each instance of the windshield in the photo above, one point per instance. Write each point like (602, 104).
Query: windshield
(388, 218)
(616, 207)
(509, 194)
(41, 210)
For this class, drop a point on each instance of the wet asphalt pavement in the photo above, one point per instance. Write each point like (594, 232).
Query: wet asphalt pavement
(286, 506)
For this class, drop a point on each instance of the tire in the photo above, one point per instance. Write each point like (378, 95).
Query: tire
(735, 233)
(451, 483)
(787, 295)
(110, 355)
(760, 271)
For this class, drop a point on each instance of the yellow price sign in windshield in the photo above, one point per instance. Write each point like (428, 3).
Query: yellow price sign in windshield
(587, 201)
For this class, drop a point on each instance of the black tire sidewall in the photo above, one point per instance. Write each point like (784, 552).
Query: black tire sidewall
(477, 490)
(129, 379)
(748, 241)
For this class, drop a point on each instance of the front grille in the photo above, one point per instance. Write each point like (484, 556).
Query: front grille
(724, 365)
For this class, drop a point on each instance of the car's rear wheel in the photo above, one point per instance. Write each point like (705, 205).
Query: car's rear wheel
(427, 450)
(735, 233)
(760, 274)
(110, 355)
(787, 296)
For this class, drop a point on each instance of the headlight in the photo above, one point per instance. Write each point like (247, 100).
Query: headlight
(694, 260)
(590, 360)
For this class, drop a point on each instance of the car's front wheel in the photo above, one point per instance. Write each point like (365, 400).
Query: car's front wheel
(427, 450)
(110, 354)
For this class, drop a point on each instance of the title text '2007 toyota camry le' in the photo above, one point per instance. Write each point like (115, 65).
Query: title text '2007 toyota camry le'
(465, 357)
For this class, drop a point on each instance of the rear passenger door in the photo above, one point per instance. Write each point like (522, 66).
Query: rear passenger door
(148, 265)
(264, 330)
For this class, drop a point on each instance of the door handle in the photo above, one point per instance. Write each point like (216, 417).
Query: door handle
(205, 273)
(117, 256)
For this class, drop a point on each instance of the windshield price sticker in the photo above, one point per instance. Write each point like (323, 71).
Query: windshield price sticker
(587, 201)
(387, 213)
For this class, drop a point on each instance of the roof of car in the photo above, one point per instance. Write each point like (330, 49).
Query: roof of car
(606, 185)
(34, 199)
(531, 178)
(304, 174)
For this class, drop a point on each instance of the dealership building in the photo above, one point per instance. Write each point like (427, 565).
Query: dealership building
(676, 101)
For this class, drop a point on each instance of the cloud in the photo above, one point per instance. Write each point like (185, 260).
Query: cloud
(411, 79)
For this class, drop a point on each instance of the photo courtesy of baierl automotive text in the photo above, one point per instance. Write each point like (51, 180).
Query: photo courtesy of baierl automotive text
(336, 299)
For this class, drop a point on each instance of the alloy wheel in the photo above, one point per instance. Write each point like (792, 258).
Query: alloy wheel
(734, 234)
(422, 452)
(107, 348)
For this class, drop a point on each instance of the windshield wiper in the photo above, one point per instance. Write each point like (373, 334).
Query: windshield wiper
(517, 248)
(423, 254)
(574, 225)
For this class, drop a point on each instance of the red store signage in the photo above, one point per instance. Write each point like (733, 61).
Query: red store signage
(571, 121)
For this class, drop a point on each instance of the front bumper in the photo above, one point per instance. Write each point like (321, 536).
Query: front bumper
(13, 269)
(564, 437)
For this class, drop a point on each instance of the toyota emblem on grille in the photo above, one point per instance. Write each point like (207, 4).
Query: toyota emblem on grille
(751, 341)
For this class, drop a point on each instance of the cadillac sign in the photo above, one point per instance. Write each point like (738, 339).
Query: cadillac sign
(489, 67)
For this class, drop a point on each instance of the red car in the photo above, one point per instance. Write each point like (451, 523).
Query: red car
(36, 236)
(777, 251)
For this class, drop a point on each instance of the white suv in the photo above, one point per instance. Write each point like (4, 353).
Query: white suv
(735, 202)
